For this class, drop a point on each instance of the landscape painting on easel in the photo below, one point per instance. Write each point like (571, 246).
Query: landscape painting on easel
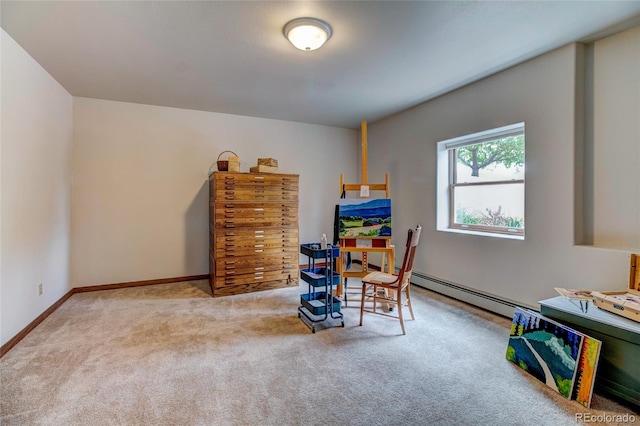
(545, 349)
(365, 217)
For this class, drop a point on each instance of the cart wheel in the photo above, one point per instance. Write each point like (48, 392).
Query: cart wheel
(313, 330)
(298, 314)
(342, 324)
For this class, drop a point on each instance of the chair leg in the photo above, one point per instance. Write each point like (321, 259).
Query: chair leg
(364, 289)
(375, 297)
(409, 303)
(344, 289)
(399, 307)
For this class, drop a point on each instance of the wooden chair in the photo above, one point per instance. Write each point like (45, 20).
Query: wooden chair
(393, 285)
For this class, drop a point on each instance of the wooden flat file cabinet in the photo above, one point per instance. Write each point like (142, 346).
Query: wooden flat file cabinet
(253, 239)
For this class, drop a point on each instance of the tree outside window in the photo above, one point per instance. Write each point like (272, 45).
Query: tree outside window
(486, 181)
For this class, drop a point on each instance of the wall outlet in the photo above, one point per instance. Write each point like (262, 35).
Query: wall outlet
(40, 289)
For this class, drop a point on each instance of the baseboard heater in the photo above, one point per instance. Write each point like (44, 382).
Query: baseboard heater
(489, 302)
(477, 298)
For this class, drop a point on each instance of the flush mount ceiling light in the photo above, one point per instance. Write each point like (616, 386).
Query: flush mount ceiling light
(307, 33)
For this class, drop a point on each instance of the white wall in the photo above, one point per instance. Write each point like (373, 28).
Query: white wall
(616, 144)
(140, 194)
(35, 189)
(542, 93)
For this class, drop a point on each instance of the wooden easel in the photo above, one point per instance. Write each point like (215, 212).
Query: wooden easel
(358, 186)
(378, 244)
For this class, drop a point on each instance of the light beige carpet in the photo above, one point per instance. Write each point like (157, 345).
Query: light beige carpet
(172, 355)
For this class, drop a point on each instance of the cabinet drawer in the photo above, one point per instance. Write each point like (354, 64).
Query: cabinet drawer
(256, 194)
(252, 215)
(234, 279)
(251, 264)
(255, 222)
(231, 289)
(254, 179)
(254, 187)
(247, 242)
(256, 238)
(242, 209)
(226, 252)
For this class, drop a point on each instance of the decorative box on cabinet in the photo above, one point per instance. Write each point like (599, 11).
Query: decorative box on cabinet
(253, 240)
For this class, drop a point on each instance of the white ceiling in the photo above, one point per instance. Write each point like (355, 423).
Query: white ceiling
(231, 56)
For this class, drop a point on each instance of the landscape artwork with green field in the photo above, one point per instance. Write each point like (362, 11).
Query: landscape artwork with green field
(365, 217)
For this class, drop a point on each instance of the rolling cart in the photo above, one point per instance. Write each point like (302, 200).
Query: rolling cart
(318, 304)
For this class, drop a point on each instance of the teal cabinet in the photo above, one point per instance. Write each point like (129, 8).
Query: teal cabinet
(618, 371)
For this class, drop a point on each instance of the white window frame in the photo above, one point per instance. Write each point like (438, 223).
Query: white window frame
(446, 181)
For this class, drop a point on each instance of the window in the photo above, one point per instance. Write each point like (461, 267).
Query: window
(481, 182)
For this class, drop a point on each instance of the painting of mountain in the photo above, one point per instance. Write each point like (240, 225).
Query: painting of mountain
(547, 350)
(365, 218)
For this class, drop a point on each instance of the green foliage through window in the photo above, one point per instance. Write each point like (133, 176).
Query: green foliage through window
(508, 151)
(488, 218)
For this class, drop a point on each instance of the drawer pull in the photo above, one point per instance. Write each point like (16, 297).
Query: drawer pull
(258, 209)
(259, 251)
(259, 245)
(229, 215)
(230, 262)
(259, 268)
(259, 232)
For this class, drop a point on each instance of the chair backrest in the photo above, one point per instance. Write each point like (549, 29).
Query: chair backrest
(413, 238)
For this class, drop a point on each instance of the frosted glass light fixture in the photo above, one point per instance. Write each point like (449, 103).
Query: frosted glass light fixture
(307, 33)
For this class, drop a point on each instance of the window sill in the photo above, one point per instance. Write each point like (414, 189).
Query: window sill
(483, 234)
